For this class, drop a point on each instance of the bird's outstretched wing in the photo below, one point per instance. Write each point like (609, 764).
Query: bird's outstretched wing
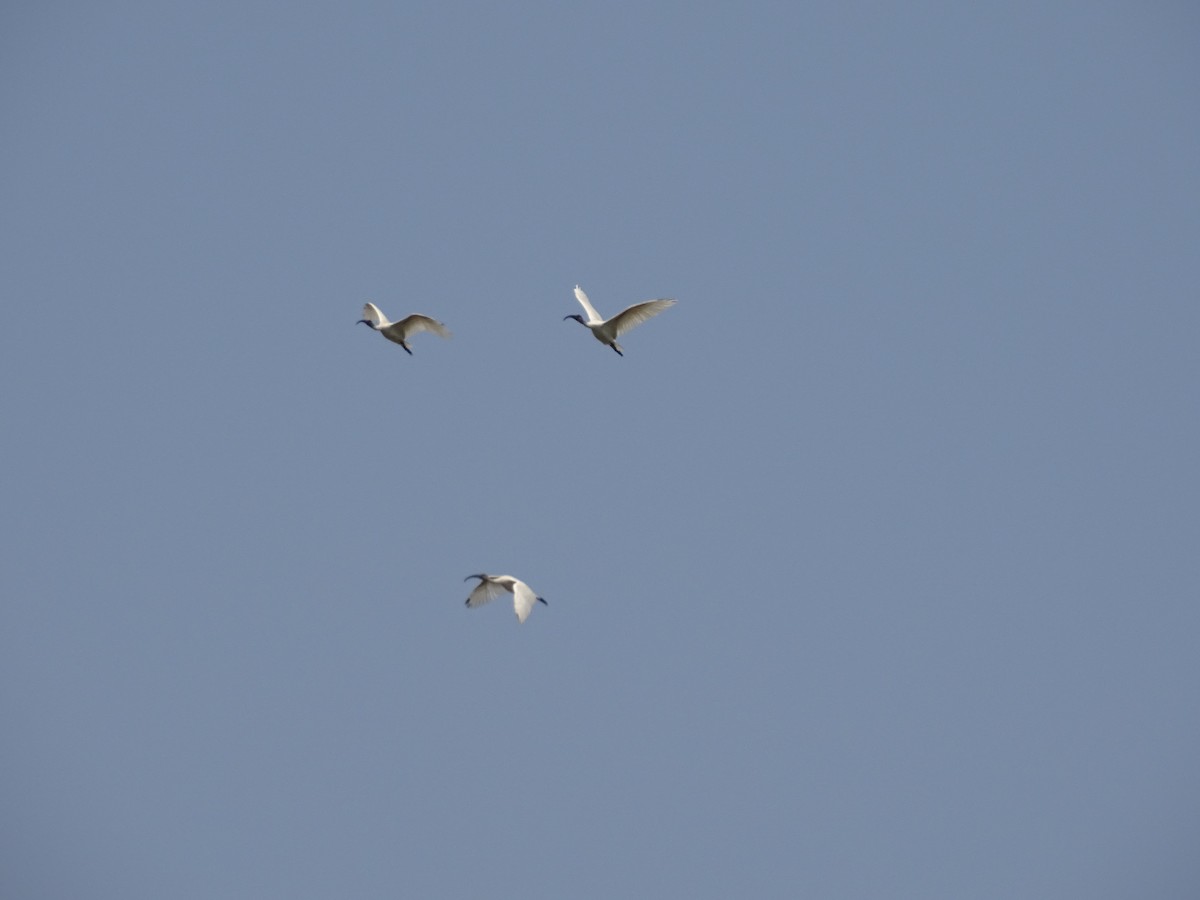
(588, 309)
(523, 600)
(371, 311)
(484, 592)
(417, 323)
(628, 319)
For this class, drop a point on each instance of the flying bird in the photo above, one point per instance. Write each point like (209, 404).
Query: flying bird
(400, 332)
(491, 586)
(606, 331)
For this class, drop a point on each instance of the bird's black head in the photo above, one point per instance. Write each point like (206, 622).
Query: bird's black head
(542, 600)
(365, 322)
(576, 316)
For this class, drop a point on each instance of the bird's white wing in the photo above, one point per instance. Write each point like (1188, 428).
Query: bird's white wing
(628, 319)
(484, 592)
(523, 600)
(589, 310)
(417, 323)
(371, 311)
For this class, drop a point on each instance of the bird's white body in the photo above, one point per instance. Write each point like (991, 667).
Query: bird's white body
(492, 586)
(606, 331)
(400, 332)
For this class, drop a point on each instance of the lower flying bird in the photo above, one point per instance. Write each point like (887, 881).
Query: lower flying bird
(606, 331)
(491, 586)
(401, 331)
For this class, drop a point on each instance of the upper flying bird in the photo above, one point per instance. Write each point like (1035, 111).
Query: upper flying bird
(606, 331)
(400, 331)
(490, 587)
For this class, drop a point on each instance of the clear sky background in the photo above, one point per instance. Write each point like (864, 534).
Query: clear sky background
(873, 567)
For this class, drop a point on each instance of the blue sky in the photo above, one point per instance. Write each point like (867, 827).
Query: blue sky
(871, 567)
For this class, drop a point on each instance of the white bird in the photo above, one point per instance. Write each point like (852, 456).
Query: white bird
(491, 586)
(400, 331)
(606, 331)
